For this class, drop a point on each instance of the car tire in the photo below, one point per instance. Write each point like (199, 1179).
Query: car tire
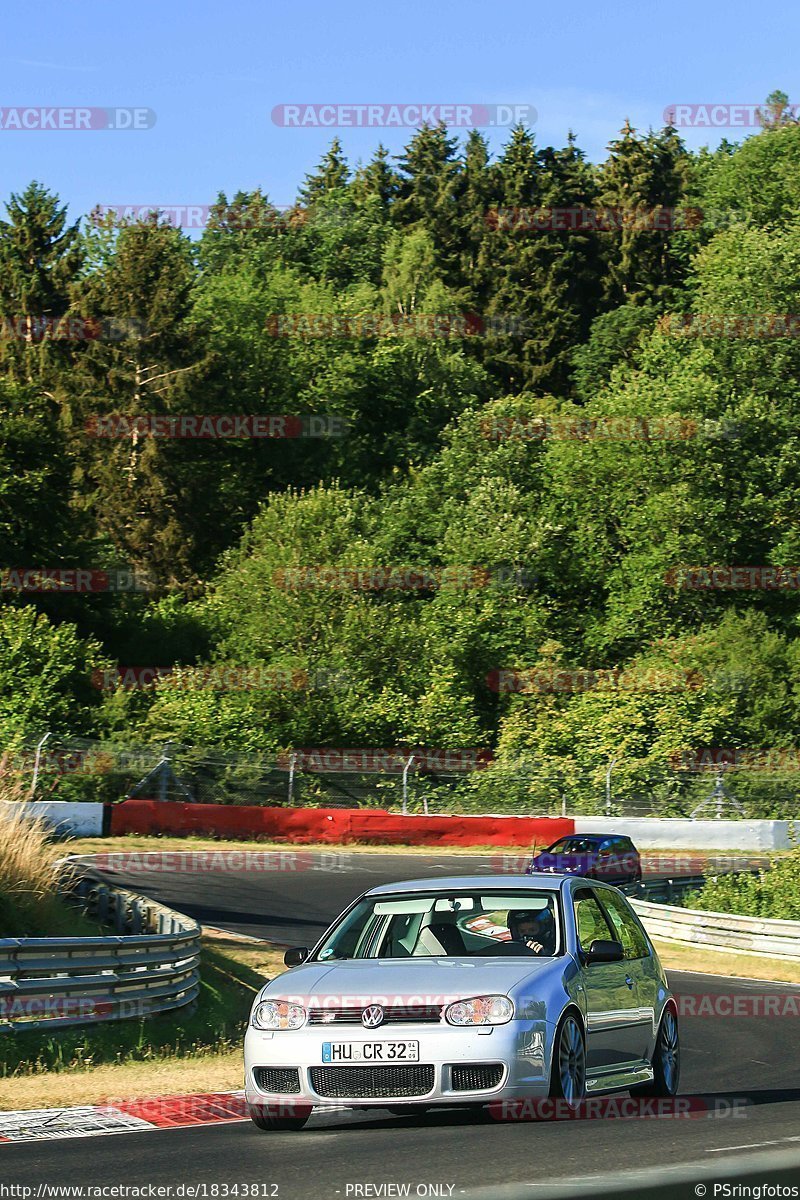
(666, 1060)
(264, 1119)
(568, 1070)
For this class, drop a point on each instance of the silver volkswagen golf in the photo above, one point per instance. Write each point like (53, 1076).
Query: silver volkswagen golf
(465, 991)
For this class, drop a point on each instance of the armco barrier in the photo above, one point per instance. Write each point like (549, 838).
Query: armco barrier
(149, 966)
(334, 825)
(728, 932)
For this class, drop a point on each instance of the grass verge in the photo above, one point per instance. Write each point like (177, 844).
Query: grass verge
(134, 843)
(738, 966)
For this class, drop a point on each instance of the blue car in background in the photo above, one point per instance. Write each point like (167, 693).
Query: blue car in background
(610, 858)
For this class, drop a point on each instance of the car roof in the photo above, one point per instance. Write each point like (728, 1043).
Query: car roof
(593, 837)
(528, 883)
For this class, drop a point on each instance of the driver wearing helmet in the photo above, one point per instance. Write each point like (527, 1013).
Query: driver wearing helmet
(535, 929)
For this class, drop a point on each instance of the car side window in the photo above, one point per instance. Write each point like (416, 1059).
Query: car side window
(626, 927)
(590, 920)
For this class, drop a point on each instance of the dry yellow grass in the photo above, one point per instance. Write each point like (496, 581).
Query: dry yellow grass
(166, 1077)
(738, 966)
(28, 902)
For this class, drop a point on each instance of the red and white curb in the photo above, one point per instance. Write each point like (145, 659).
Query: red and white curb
(123, 1116)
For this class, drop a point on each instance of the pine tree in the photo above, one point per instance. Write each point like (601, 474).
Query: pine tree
(377, 178)
(40, 258)
(428, 193)
(331, 174)
(246, 228)
(147, 361)
(475, 191)
(641, 177)
(518, 170)
(547, 273)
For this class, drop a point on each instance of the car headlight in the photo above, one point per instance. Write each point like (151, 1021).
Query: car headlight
(480, 1010)
(278, 1014)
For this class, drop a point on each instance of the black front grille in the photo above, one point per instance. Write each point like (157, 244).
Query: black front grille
(372, 1082)
(478, 1078)
(394, 1014)
(278, 1080)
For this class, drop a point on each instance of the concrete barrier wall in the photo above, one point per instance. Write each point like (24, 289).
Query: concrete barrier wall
(669, 832)
(335, 825)
(68, 817)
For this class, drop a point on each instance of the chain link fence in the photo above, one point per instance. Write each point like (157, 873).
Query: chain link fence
(421, 780)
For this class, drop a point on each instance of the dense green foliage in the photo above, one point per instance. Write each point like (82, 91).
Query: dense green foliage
(772, 893)
(575, 540)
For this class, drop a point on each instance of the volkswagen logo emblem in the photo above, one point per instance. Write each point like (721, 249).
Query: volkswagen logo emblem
(372, 1017)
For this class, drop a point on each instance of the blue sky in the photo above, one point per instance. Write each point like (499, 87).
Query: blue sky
(212, 73)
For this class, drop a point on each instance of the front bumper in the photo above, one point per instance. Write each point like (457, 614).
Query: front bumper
(522, 1048)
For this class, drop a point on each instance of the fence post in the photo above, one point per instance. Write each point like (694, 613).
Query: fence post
(292, 761)
(406, 769)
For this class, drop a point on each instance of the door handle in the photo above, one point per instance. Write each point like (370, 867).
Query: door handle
(629, 981)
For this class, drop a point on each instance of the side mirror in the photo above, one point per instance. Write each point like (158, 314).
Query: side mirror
(296, 955)
(602, 951)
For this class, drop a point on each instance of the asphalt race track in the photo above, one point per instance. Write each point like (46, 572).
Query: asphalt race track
(291, 896)
(745, 1067)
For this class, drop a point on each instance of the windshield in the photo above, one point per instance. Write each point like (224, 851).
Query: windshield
(574, 845)
(453, 925)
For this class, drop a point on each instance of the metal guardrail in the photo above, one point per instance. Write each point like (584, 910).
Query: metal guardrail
(150, 965)
(722, 931)
(716, 931)
(663, 891)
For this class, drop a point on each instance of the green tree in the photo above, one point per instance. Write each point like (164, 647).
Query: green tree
(40, 259)
(147, 362)
(641, 177)
(331, 174)
(46, 678)
(378, 178)
(430, 170)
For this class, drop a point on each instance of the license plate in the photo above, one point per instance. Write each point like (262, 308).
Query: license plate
(370, 1052)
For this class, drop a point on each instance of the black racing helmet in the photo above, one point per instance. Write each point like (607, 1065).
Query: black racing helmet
(542, 919)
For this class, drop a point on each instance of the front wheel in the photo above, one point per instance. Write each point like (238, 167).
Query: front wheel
(666, 1060)
(568, 1072)
(265, 1118)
